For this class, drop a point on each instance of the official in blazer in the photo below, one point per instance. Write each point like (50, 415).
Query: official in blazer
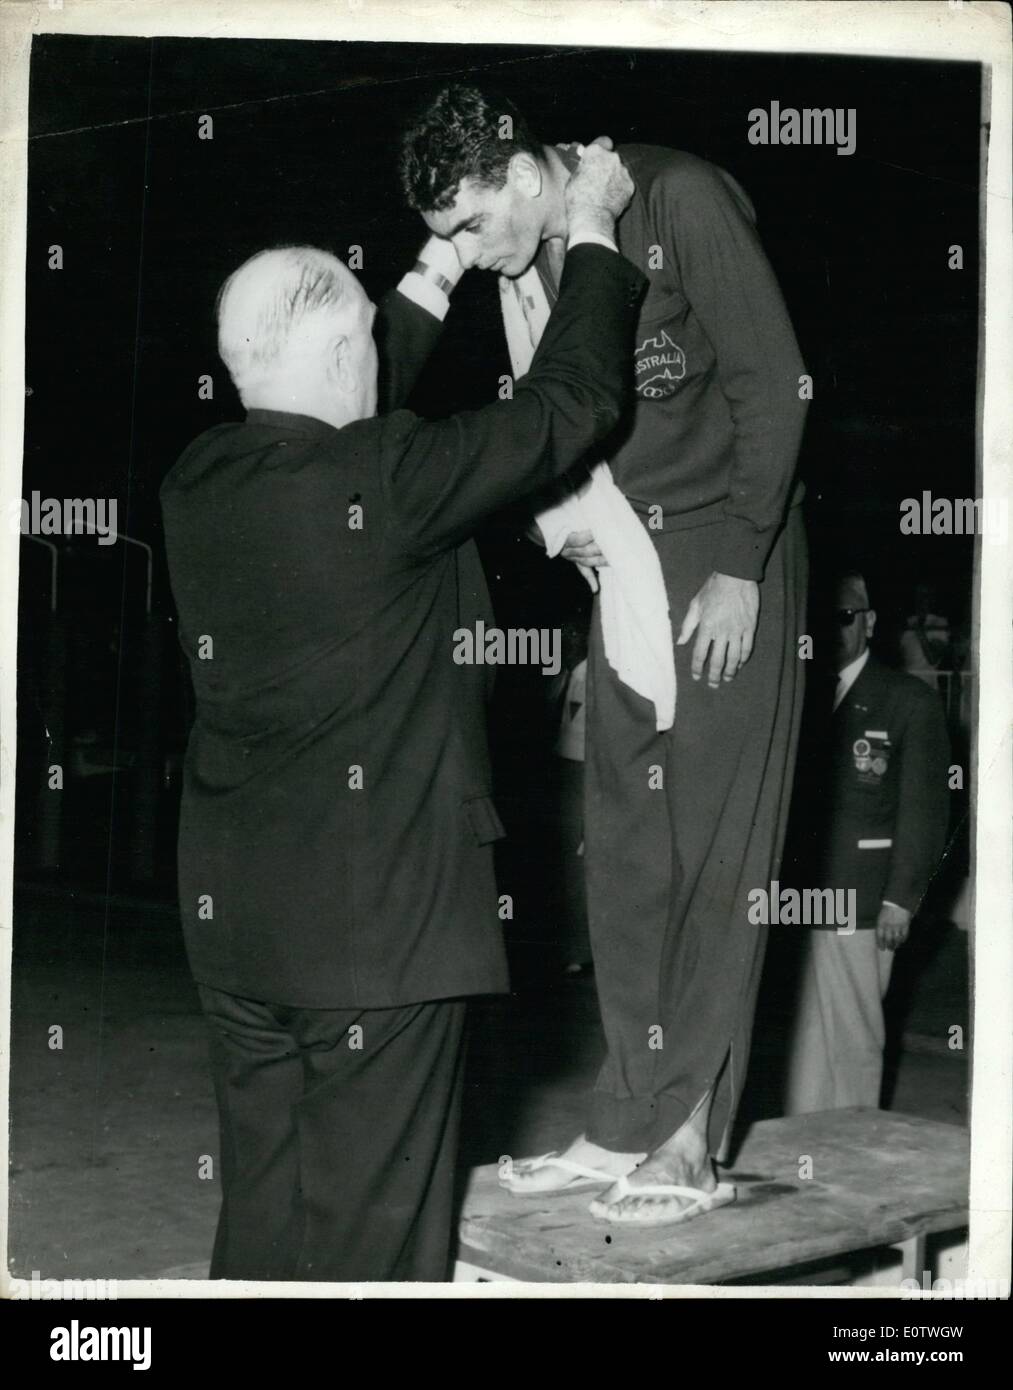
(335, 861)
(879, 828)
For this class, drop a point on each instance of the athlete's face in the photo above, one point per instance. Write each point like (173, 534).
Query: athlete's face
(496, 229)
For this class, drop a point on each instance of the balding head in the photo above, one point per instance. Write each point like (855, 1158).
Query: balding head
(294, 330)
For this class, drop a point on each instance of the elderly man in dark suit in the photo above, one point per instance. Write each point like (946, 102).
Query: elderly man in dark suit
(335, 860)
(879, 828)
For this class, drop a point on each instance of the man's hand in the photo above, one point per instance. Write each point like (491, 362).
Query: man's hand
(723, 615)
(598, 192)
(892, 927)
(582, 549)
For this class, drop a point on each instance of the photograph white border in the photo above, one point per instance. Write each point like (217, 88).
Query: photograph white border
(942, 30)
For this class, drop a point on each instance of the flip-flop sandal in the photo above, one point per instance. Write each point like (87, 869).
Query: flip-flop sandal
(579, 1177)
(702, 1202)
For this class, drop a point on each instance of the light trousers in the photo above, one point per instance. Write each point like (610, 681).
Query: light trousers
(836, 1053)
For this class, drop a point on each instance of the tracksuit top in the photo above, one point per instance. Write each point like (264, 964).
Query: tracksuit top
(714, 435)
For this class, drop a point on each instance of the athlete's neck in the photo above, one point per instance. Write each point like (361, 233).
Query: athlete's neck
(557, 178)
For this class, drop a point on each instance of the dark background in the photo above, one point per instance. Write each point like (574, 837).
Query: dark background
(151, 219)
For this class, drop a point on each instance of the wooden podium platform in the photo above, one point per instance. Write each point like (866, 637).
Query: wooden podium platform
(877, 1179)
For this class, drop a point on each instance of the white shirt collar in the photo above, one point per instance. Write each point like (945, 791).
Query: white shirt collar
(847, 677)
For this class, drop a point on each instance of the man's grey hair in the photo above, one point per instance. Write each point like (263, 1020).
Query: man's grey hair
(265, 301)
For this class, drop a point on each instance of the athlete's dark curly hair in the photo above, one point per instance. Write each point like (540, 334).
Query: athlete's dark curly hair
(462, 133)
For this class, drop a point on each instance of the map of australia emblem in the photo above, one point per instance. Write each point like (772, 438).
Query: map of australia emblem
(661, 364)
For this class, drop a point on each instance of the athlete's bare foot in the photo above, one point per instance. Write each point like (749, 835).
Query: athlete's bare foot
(683, 1160)
(528, 1175)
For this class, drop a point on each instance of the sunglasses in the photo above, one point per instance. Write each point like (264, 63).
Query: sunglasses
(846, 616)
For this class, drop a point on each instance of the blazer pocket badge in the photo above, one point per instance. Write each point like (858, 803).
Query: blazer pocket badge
(871, 756)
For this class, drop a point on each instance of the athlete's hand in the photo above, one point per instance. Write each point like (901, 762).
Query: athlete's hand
(892, 926)
(723, 615)
(604, 140)
(581, 548)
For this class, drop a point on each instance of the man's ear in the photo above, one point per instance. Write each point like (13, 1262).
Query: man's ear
(337, 362)
(525, 174)
(870, 622)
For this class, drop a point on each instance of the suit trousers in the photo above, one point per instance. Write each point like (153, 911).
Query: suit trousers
(679, 827)
(339, 1136)
(836, 1055)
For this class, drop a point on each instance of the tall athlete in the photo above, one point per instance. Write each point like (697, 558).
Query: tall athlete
(679, 824)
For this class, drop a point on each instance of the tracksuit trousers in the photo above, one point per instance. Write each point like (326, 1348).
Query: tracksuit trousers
(679, 827)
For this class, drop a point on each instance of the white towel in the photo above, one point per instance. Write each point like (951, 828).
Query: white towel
(635, 622)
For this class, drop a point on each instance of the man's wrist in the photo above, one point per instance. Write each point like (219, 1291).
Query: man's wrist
(425, 293)
(431, 280)
(591, 239)
(591, 222)
(430, 273)
(438, 261)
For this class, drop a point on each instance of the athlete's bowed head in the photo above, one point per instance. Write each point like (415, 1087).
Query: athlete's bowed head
(472, 167)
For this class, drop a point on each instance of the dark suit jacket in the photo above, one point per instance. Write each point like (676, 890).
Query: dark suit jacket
(886, 798)
(332, 653)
